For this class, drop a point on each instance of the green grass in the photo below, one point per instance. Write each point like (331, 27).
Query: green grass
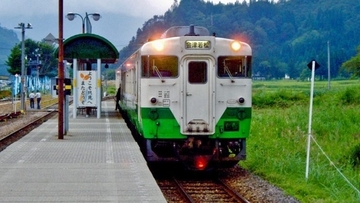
(277, 145)
(111, 90)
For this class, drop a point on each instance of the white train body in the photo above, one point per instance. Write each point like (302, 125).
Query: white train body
(192, 88)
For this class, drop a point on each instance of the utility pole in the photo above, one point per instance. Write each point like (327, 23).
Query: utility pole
(61, 74)
(23, 80)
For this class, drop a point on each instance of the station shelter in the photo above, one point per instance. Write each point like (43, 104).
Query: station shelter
(88, 53)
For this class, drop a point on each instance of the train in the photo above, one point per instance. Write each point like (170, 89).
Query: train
(188, 95)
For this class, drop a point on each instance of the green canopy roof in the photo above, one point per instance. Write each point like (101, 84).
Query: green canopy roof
(89, 47)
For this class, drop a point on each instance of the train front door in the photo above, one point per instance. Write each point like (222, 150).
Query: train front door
(198, 93)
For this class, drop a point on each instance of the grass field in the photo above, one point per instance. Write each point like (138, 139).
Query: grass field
(277, 146)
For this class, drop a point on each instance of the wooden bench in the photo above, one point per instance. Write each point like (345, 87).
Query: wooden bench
(88, 110)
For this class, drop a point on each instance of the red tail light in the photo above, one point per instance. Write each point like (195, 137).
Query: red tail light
(201, 162)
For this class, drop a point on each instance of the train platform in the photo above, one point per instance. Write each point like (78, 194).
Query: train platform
(97, 161)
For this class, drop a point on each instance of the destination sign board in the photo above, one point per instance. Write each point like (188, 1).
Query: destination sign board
(197, 44)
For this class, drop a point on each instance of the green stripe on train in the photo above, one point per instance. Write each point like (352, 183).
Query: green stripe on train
(160, 123)
(234, 123)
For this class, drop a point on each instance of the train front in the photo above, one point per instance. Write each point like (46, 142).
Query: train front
(195, 99)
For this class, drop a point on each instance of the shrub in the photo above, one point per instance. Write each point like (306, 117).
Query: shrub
(5, 94)
(111, 90)
(350, 96)
(281, 98)
(355, 156)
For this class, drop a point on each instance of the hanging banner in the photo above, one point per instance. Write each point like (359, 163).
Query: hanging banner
(86, 88)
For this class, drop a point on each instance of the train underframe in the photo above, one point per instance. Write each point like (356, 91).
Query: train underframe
(197, 153)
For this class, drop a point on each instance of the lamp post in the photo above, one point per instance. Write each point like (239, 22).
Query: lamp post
(85, 20)
(23, 86)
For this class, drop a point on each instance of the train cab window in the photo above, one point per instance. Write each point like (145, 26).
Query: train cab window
(159, 66)
(197, 72)
(234, 66)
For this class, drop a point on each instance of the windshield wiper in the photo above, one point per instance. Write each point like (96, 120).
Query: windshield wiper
(228, 72)
(158, 72)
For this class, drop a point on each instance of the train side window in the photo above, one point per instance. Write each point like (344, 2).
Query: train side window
(197, 72)
(159, 66)
(233, 66)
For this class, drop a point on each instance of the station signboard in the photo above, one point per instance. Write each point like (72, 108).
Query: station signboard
(86, 89)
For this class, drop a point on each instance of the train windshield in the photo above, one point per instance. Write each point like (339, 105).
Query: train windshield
(159, 66)
(234, 67)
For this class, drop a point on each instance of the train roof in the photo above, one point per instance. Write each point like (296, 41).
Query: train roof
(191, 30)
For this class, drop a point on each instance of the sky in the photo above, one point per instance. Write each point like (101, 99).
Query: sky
(120, 19)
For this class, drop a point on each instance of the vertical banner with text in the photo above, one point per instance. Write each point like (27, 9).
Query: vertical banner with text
(86, 88)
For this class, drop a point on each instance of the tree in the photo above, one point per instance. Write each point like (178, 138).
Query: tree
(34, 51)
(14, 61)
(265, 69)
(49, 61)
(284, 33)
(353, 65)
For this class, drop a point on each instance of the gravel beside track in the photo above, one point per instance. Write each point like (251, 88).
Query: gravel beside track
(14, 124)
(11, 125)
(255, 189)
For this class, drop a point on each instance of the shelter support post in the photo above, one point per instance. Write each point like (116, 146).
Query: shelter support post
(98, 90)
(75, 89)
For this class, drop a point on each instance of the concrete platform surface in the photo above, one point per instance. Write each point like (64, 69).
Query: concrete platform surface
(97, 161)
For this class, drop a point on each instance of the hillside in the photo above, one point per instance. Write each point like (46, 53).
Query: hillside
(284, 36)
(8, 39)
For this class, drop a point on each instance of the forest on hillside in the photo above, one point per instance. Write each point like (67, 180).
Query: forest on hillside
(285, 35)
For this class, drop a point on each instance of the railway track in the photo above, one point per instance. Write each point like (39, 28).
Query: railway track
(194, 191)
(15, 125)
(25, 128)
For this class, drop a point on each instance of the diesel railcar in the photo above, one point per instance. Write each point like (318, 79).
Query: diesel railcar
(188, 95)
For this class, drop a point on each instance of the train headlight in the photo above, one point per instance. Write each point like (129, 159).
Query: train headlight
(153, 100)
(158, 45)
(241, 100)
(235, 46)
